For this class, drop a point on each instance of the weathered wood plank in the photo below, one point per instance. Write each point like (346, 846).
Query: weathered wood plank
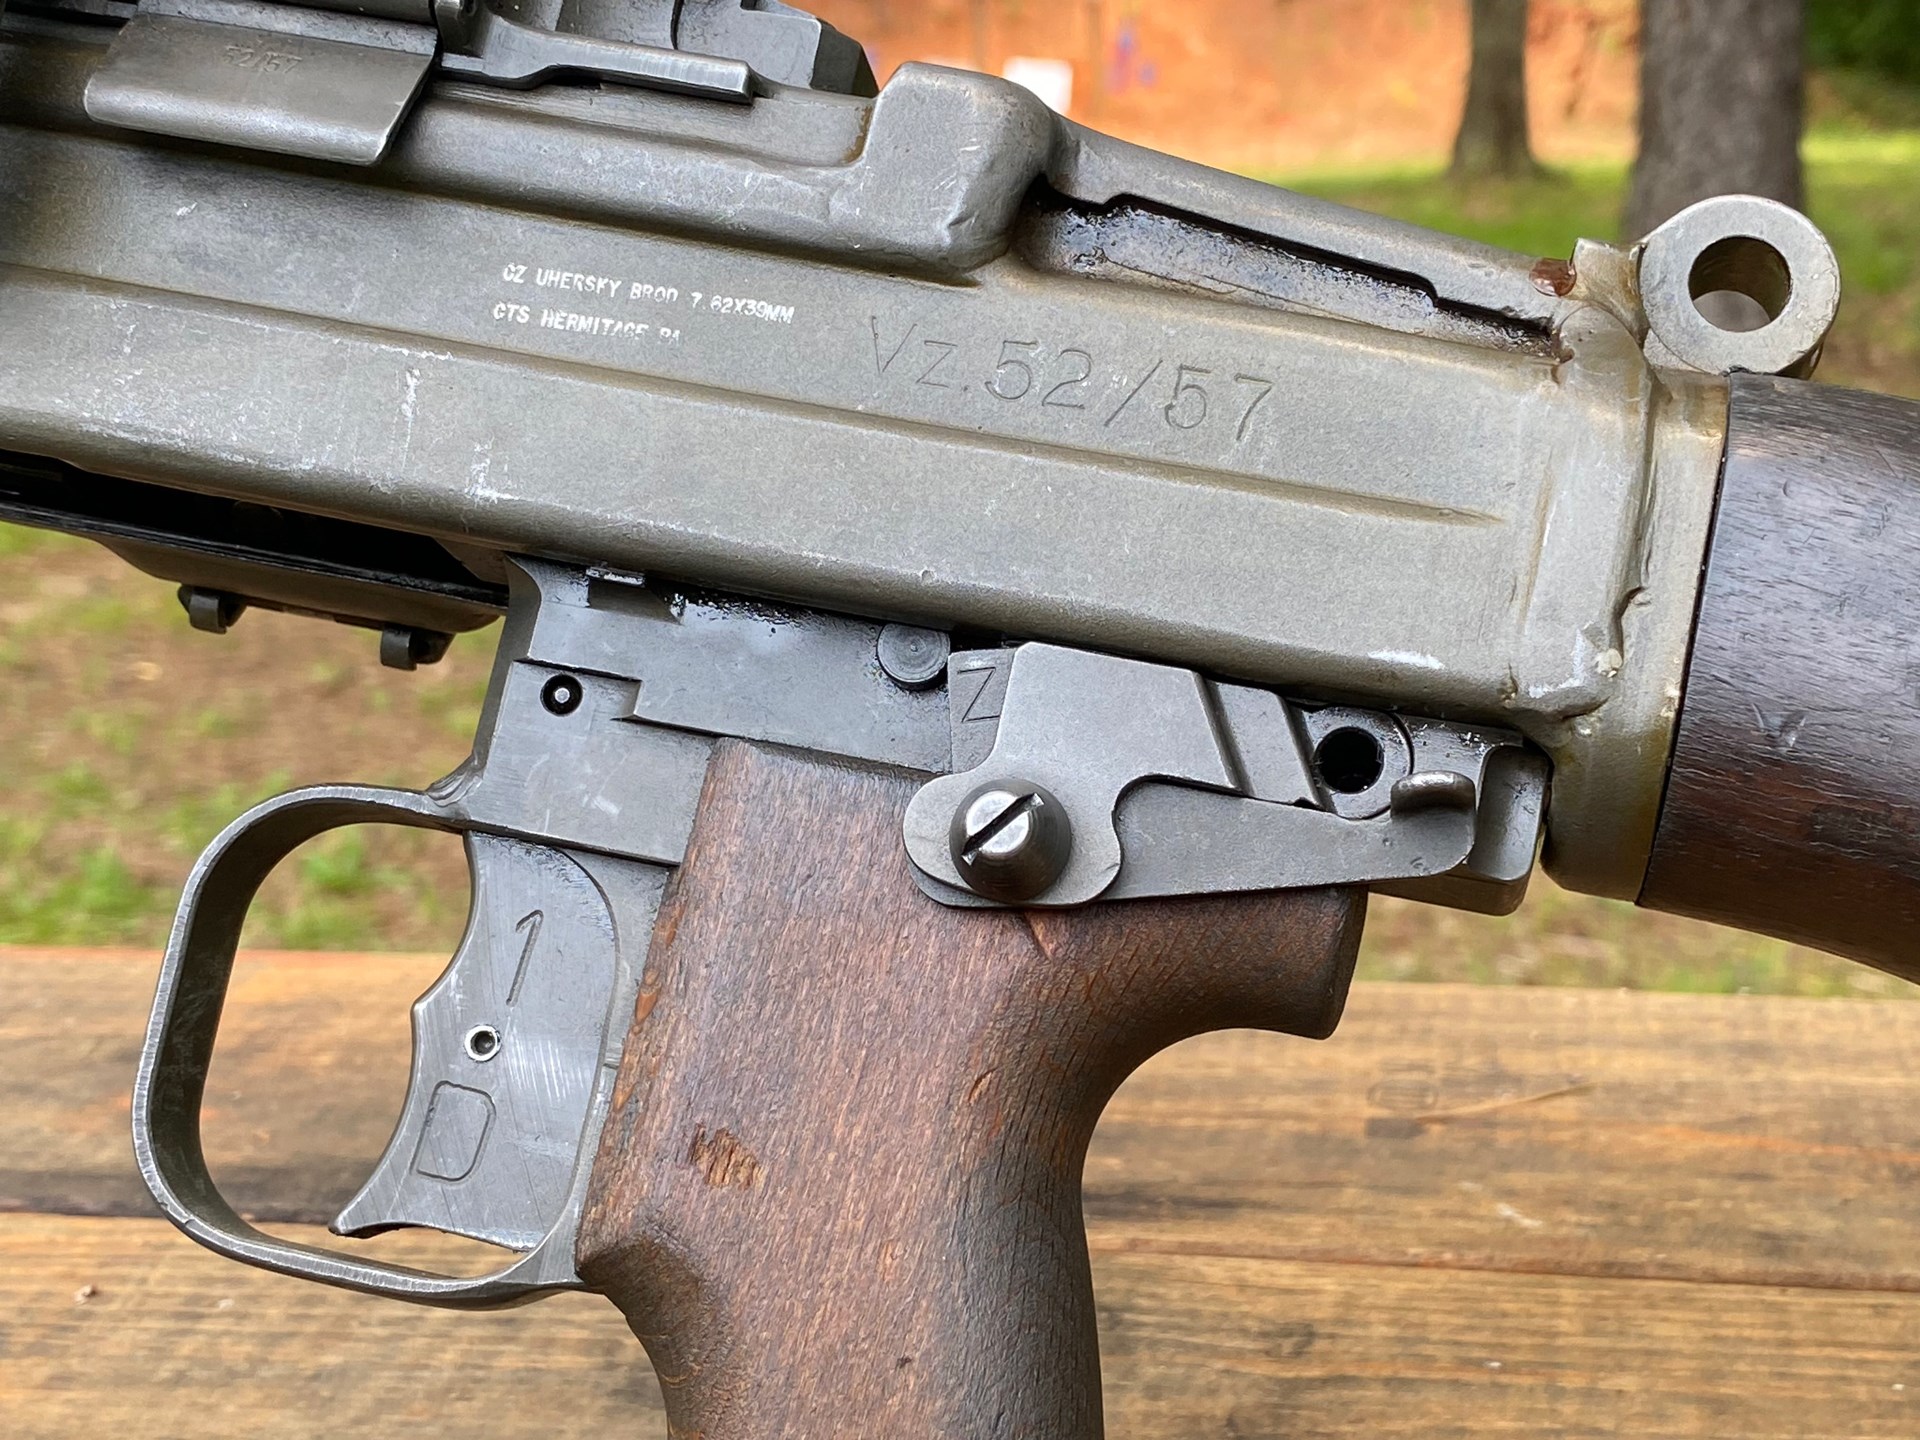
(1750, 1138)
(176, 1344)
(1288, 1238)
(304, 1090)
(1758, 1139)
(125, 1327)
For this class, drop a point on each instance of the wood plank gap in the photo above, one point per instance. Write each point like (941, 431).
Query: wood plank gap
(1778, 1278)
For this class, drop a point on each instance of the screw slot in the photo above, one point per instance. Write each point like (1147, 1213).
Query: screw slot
(483, 1043)
(1349, 760)
(562, 694)
(1010, 841)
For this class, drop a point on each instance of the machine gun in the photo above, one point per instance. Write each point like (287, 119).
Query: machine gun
(982, 601)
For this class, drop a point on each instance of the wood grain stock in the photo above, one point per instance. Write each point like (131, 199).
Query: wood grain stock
(839, 1192)
(1793, 805)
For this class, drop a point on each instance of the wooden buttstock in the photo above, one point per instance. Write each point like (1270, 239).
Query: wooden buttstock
(1793, 804)
(839, 1190)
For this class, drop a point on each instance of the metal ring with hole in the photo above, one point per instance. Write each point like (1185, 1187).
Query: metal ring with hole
(1744, 241)
(1394, 758)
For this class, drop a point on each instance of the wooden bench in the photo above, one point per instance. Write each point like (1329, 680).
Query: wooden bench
(1472, 1212)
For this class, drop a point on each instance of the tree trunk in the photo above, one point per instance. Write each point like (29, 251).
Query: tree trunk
(1492, 139)
(1720, 105)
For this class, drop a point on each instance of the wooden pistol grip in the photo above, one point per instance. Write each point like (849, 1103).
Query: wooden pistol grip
(838, 1193)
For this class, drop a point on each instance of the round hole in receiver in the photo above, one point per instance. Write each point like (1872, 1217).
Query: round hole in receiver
(1349, 760)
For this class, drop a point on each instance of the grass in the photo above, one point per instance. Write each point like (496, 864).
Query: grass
(19, 540)
(1559, 938)
(88, 897)
(335, 891)
(1539, 216)
(134, 746)
(131, 740)
(1863, 190)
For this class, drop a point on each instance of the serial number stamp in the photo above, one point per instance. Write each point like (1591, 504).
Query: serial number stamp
(259, 58)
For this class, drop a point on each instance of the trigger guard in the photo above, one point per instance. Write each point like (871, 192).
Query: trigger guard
(194, 975)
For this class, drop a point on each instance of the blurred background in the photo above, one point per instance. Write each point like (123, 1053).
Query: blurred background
(131, 739)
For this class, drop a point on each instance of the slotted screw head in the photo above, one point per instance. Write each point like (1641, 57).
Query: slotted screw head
(1010, 840)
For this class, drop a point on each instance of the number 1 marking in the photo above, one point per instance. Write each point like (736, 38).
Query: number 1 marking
(530, 923)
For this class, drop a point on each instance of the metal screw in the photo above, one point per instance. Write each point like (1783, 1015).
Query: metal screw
(1010, 841)
(914, 659)
(562, 694)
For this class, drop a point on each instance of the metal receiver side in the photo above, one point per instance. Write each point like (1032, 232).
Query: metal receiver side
(938, 357)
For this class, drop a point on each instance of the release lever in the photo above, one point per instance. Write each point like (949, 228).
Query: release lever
(1081, 776)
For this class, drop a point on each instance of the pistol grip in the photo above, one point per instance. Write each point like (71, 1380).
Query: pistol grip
(838, 1190)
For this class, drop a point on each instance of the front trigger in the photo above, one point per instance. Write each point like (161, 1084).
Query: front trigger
(507, 1053)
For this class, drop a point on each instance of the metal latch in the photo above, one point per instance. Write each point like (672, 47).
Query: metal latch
(1079, 776)
(333, 79)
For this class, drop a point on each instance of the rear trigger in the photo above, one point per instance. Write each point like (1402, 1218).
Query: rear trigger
(507, 1052)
